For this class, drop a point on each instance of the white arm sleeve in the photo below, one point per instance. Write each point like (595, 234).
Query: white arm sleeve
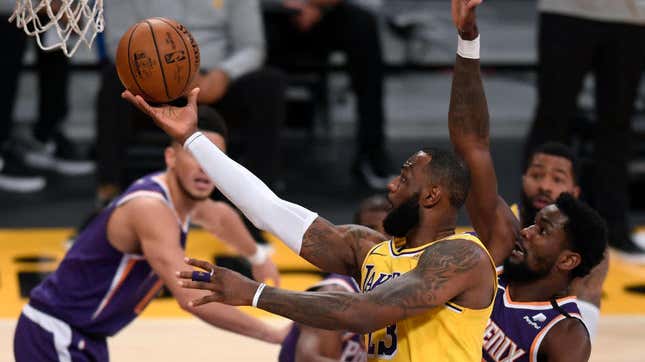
(265, 210)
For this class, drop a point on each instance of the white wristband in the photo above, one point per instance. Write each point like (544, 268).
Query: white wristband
(468, 48)
(256, 297)
(260, 257)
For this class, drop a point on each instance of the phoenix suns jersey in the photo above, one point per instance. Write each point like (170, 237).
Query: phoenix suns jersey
(445, 333)
(516, 329)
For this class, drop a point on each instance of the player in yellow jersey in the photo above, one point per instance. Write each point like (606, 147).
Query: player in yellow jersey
(427, 294)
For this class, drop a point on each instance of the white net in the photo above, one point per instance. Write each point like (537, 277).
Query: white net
(63, 24)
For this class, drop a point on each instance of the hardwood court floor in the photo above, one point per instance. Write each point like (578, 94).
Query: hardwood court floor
(620, 339)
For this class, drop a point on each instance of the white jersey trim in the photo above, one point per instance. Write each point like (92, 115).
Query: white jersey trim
(120, 275)
(60, 330)
(184, 226)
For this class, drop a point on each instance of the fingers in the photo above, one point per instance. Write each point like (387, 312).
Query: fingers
(185, 274)
(139, 102)
(203, 300)
(200, 264)
(189, 284)
(193, 96)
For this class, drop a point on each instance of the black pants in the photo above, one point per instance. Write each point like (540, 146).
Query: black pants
(53, 71)
(354, 31)
(569, 48)
(253, 109)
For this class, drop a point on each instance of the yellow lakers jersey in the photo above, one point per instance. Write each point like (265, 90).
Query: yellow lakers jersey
(446, 333)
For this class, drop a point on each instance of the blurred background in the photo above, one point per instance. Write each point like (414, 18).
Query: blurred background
(324, 159)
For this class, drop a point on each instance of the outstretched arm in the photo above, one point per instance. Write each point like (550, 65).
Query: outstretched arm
(155, 225)
(445, 271)
(468, 121)
(331, 248)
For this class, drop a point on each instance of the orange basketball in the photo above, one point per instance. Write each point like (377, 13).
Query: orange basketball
(157, 58)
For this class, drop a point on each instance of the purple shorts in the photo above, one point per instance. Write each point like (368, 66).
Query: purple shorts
(40, 337)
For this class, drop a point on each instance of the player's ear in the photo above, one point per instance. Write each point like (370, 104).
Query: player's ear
(576, 191)
(569, 260)
(170, 156)
(430, 196)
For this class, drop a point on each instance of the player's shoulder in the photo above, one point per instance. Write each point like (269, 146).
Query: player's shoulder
(567, 332)
(142, 210)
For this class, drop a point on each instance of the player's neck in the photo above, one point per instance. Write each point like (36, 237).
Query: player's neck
(429, 230)
(540, 290)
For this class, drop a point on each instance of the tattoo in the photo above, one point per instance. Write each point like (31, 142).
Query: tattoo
(468, 114)
(339, 249)
(438, 265)
(402, 297)
(316, 309)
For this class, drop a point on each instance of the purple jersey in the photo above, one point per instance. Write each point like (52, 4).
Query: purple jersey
(97, 289)
(353, 350)
(515, 330)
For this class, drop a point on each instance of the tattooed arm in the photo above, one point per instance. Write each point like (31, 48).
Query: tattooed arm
(338, 249)
(451, 270)
(468, 122)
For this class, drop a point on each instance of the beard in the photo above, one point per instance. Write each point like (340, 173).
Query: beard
(527, 210)
(520, 272)
(400, 220)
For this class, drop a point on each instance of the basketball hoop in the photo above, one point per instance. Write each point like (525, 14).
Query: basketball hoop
(63, 24)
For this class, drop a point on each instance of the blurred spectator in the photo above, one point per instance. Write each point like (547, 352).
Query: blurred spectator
(607, 38)
(249, 97)
(315, 28)
(372, 211)
(46, 148)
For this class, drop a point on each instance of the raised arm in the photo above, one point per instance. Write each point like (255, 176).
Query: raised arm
(332, 248)
(468, 121)
(446, 271)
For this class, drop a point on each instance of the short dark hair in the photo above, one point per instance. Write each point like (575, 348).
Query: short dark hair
(449, 171)
(559, 150)
(209, 120)
(371, 204)
(586, 231)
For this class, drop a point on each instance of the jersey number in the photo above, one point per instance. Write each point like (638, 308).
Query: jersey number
(386, 347)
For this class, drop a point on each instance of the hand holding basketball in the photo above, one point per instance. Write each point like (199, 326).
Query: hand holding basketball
(178, 122)
(157, 58)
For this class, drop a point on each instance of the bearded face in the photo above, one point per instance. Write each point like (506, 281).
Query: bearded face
(400, 220)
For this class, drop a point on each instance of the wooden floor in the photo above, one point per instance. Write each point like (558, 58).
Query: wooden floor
(620, 339)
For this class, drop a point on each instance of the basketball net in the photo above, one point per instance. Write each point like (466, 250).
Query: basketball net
(63, 24)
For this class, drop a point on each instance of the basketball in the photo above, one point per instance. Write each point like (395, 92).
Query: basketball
(157, 58)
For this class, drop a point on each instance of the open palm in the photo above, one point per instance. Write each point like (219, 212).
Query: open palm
(178, 122)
